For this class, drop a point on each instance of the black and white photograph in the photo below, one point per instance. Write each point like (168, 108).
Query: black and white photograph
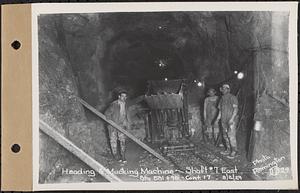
(165, 97)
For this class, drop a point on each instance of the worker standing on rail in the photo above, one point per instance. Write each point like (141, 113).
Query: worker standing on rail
(210, 114)
(228, 109)
(118, 113)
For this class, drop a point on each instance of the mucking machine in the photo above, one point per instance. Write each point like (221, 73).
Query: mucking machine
(167, 116)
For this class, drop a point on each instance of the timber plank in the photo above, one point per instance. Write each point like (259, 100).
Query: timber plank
(99, 168)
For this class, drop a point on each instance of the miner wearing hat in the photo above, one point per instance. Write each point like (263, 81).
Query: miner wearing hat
(210, 114)
(228, 109)
(118, 113)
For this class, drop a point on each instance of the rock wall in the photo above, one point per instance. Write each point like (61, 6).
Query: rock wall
(255, 43)
(272, 131)
(59, 106)
(85, 41)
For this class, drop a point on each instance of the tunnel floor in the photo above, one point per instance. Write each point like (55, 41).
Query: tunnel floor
(205, 163)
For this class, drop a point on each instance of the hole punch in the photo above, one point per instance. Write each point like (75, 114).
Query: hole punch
(15, 148)
(16, 44)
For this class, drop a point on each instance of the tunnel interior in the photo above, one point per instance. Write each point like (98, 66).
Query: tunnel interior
(95, 55)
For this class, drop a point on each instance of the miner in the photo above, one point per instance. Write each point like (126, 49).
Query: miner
(228, 109)
(210, 114)
(118, 113)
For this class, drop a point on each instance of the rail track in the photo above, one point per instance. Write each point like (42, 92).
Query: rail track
(210, 157)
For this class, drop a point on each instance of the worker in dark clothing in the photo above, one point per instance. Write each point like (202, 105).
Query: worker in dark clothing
(118, 113)
(228, 109)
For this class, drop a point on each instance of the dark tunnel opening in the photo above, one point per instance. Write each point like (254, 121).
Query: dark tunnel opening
(100, 54)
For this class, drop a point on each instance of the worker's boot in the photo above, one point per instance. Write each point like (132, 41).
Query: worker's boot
(212, 140)
(221, 145)
(227, 148)
(225, 152)
(232, 155)
(216, 135)
(123, 158)
(117, 157)
(209, 136)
